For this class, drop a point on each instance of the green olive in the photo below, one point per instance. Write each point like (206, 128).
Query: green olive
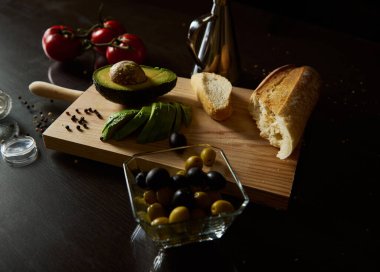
(150, 197)
(202, 200)
(140, 203)
(208, 156)
(193, 161)
(155, 210)
(164, 195)
(221, 206)
(179, 214)
(160, 221)
(143, 216)
(181, 172)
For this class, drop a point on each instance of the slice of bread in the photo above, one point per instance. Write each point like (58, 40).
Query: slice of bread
(214, 93)
(282, 104)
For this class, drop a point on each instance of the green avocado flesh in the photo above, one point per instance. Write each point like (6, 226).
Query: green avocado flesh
(159, 82)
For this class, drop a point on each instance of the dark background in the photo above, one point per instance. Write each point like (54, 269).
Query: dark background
(64, 213)
(358, 18)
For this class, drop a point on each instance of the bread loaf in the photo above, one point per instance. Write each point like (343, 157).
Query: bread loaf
(214, 93)
(282, 104)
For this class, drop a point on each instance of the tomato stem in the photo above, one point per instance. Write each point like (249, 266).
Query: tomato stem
(86, 32)
(114, 43)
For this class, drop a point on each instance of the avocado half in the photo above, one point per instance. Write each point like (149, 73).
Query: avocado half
(159, 82)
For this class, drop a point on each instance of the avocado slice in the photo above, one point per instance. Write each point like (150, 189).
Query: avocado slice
(159, 82)
(115, 121)
(187, 114)
(178, 117)
(166, 121)
(137, 121)
(160, 123)
(151, 128)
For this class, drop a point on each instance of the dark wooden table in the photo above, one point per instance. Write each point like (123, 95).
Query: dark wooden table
(64, 213)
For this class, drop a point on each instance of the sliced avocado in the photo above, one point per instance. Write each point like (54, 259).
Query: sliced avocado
(178, 117)
(137, 121)
(166, 121)
(159, 82)
(187, 114)
(115, 121)
(151, 128)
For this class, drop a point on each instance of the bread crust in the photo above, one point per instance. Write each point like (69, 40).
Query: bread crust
(289, 94)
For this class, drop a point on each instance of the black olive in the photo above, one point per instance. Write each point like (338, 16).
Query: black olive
(141, 179)
(179, 181)
(197, 177)
(216, 180)
(157, 177)
(183, 197)
(177, 139)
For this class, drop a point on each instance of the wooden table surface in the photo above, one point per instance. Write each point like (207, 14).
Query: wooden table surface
(67, 213)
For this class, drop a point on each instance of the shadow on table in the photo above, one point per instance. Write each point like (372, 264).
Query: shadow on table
(205, 256)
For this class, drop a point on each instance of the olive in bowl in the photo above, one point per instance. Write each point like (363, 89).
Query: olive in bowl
(198, 205)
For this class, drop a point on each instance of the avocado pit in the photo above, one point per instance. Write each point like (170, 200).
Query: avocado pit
(127, 72)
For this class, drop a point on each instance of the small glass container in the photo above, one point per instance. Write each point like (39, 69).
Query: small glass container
(5, 104)
(193, 230)
(19, 151)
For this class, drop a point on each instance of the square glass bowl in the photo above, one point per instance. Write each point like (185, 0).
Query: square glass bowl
(201, 229)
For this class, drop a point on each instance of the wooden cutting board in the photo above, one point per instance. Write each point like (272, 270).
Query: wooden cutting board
(267, 179)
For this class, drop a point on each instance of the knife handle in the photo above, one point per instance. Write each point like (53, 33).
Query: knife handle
(52, 91)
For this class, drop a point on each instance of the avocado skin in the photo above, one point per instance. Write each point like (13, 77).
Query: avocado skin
(134, 124)
(186, 114)
(135, 95)
(178, 117)
(115, 121)
(166, 121)
(151, 128)
(154, 122)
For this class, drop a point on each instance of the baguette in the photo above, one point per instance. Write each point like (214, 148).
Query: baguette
(214, 93)
(282, 104)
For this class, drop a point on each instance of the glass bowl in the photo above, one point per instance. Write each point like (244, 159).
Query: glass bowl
(198, 228)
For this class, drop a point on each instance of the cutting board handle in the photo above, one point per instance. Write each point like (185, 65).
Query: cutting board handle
(52, 91)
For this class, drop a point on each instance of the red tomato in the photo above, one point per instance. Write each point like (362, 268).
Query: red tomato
(116, 26)
(127, 47)
(110, 30)
(60, 43)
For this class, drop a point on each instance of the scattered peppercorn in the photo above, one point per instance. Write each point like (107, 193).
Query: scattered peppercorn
(68, 128)
(68, 113)
(98, 114)
(79, 128)
(82, 120)
(77, 110)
